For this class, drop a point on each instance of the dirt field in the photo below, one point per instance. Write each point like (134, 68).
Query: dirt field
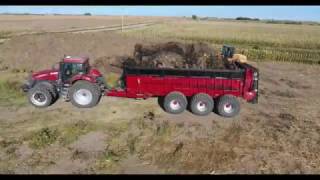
(62, 22)
(279, 135)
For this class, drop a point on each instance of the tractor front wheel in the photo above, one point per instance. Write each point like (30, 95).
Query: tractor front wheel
(51, 88)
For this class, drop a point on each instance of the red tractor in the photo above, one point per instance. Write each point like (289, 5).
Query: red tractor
(177, 89)
(73, 79)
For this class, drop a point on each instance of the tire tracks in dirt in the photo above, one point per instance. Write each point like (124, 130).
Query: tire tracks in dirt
(89, 29)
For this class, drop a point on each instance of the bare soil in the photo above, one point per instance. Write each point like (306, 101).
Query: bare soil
(20, 23)
(50, 48)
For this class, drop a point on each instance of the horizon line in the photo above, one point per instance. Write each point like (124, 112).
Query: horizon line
(91, 14)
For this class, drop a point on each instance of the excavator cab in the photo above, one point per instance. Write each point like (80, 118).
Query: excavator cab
(227, 51)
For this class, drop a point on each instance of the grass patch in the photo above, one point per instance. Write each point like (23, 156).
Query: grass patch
(108, 164)
(110, 156)
(163, 129)
(131, 142)
(5, 34)
(6, 143)
(79, 155)
(11, 93)
(65, 134)
(116, 150)
(117, 128)
(44, 137)
(71, 132)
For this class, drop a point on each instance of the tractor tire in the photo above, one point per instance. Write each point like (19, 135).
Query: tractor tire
(50, 87)
(99, 90)
(175, 102)
(201, 104)
(39, 97)
(228, 106)
(160, 101)
(84, 94)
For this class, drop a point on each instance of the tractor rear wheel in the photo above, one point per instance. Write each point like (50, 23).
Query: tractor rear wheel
(39, 97)
(84, 94)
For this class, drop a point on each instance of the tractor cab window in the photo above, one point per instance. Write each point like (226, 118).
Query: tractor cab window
(71, 69)
(84, 68)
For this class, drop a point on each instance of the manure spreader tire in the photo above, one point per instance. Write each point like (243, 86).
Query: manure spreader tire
(228, 106)
(175, 103)
(201, 104)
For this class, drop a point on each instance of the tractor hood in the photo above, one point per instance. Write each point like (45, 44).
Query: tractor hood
(95, 72)
(49, 74)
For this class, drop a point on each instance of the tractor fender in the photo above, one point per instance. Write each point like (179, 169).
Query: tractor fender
(83, 77)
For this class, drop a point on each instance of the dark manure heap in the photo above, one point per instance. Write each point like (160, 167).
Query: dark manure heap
(167, 55)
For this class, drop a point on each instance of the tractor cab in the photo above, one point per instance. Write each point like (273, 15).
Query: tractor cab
(72, 66)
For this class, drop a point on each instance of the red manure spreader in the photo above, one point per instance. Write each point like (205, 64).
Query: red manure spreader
(202, 91)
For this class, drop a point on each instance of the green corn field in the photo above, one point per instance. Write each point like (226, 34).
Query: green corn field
(257, 40)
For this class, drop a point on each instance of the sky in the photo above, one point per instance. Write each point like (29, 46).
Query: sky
(300, 13)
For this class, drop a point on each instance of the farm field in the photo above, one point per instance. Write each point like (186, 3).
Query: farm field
(257, 40)
(18, 23)
(279, 135)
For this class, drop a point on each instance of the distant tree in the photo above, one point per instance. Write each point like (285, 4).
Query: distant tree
(247, 19)
(204, 18)
(87, 14)
(194, 17)
(283, 22)
(241, 18)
